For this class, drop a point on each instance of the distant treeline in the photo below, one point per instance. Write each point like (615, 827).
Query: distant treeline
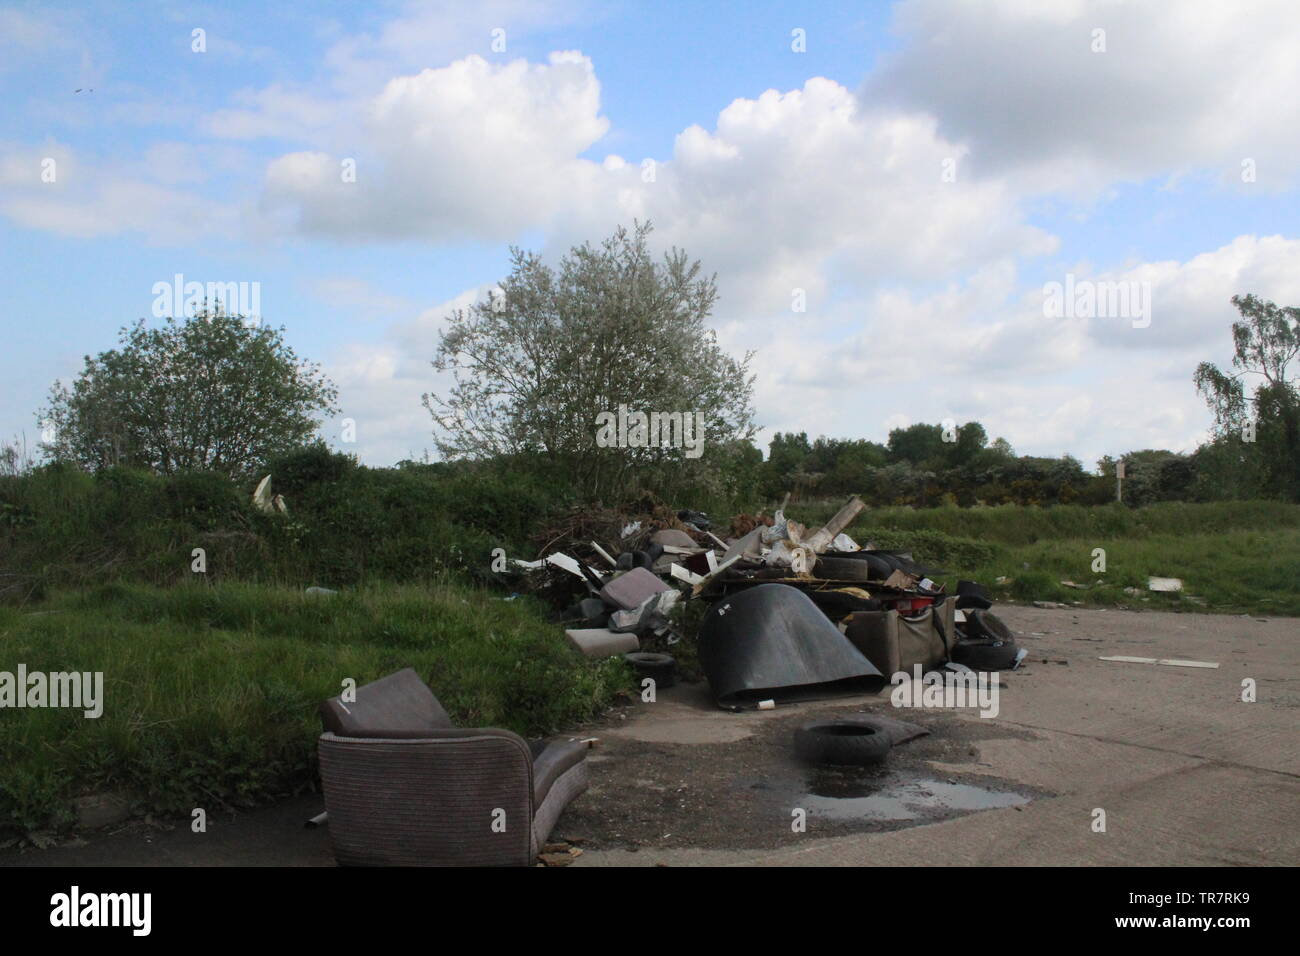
(927, 466)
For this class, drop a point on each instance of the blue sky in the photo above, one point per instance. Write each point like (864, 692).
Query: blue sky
(818, 170)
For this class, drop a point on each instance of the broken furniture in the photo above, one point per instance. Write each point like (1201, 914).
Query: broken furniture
(600, 642)
(896, 643)
(883, 600)
(404, 787)
(632, 589)
(771, 642)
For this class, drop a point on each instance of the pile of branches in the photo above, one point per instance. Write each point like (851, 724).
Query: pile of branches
(574, 530)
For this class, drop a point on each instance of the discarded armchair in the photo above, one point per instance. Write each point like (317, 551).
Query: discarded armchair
(403, 787)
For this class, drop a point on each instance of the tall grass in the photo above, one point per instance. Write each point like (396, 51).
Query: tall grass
(1233, 556)
(211, 692)
(1018, 525)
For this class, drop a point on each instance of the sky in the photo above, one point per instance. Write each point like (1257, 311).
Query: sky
(1030, 214)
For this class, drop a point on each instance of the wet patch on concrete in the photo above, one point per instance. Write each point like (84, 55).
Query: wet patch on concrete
(891, 796)
(742, 793)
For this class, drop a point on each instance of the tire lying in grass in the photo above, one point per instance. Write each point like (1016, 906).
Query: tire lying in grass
(841, 744)
(661, 668)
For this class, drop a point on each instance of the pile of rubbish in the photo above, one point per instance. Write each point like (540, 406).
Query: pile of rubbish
(796, 613)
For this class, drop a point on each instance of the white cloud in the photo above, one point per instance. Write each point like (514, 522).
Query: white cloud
(471, 150)
(89, 197)
(983, 350)
(1181, 87)
(1191, 301)
(796, 190)
(380, 385)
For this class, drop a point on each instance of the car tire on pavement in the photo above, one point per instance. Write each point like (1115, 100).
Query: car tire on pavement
(841, 743)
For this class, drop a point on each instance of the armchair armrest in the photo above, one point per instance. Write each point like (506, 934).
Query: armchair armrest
(557, 757)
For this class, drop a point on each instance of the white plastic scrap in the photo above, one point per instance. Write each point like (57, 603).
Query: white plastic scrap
(842, 542)
(561, 560)
(1169, 662)
(786, 554)
(777, 530)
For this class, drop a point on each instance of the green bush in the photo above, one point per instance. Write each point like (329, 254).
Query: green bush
(934, 547)
(203, 500)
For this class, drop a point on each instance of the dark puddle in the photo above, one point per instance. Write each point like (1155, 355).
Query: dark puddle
(895, 797)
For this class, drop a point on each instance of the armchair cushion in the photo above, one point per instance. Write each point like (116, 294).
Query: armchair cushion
(399, 706)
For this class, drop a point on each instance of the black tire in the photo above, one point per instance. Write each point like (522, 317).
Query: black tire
(985, 655)
(985, 625)
(841, 744)
(831, 568)
(661, 668)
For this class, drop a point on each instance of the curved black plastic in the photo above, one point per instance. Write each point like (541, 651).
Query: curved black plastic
(771, 642)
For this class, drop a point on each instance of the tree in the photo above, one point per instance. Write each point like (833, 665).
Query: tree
(535, 365)
(211, 393)
(1265, 341)
(964, 452)
(918, 444)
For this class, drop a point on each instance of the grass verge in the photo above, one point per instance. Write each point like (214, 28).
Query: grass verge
(1233, 557)
(210, 693)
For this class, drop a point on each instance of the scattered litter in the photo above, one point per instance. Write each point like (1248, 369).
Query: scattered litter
(782, 594)
(1169, 662)
(1164, 585)
(630, 590)
(650, 615)
(843, 543)
(696, 519)
(558, 854)
(716, 540)
(316, 592)
(601, 642)
(567, 563)
(264, 501)
(842, 519)
(673, 539)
